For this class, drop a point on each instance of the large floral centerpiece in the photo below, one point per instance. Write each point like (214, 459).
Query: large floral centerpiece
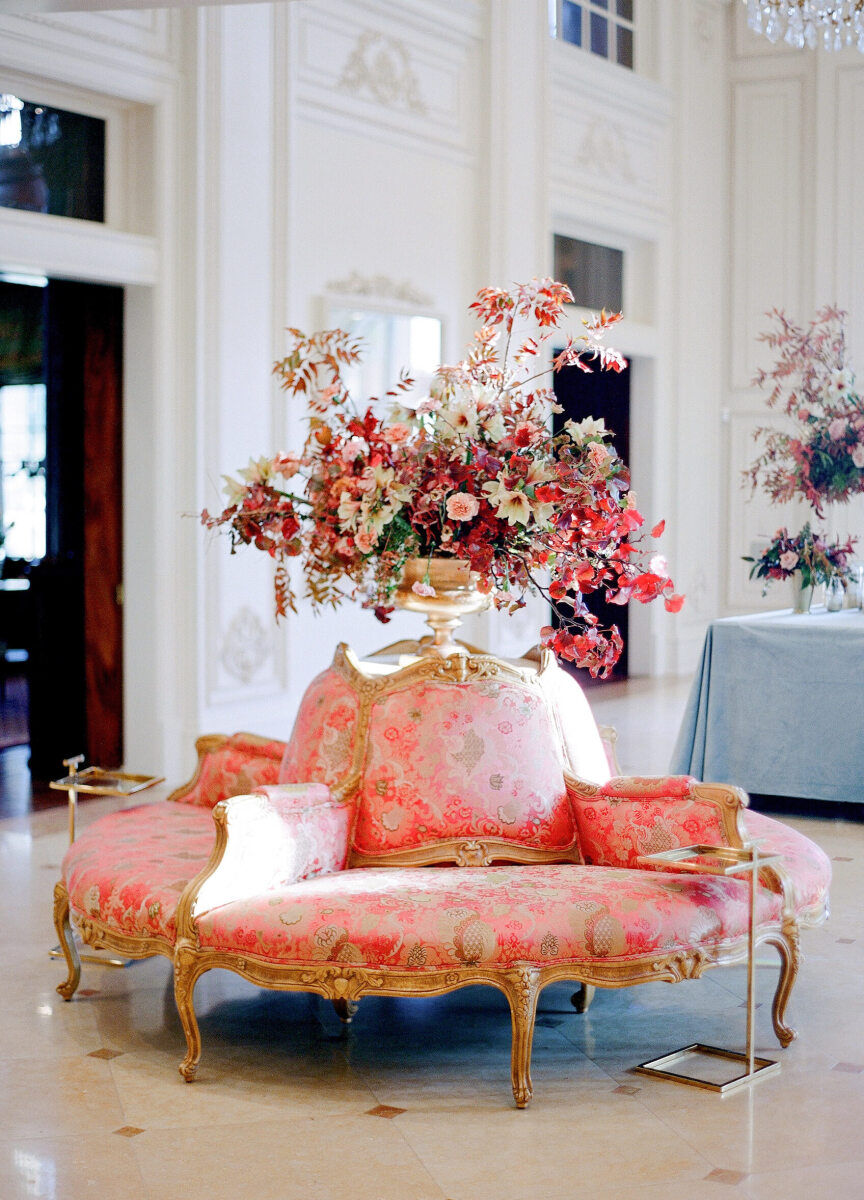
(821, 456)
(473, 472)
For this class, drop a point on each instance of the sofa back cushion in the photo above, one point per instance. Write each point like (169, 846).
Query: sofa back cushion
(235, 766)
(586, 754)
(321, 747)
(450, 762)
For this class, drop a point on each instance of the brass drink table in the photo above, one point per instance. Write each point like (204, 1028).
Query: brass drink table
(95, 781)
(719, 860)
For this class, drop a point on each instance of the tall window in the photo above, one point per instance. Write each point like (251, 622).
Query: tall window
(603, 27)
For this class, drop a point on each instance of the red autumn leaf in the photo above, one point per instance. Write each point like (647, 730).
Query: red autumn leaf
(657, 531)
(673, 603)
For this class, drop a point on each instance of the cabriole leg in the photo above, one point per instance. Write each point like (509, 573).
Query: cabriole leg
(790, 957)
(522, 992)
(67, 942)
(185, 977)
(581, 1000)
(345, 1010)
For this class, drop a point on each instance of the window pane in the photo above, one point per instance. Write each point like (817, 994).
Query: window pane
(593, 273)
(600, 3)
(624, 8)
(571, 22)
(51, 161)
(624, 47)
(599, 35)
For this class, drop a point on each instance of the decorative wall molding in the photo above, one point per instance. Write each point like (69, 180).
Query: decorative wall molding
(396, 78)
(604, 149)
(380, 66)
(246, 645)
(380, 287)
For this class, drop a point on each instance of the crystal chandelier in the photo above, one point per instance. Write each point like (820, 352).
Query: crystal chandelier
(803, 22)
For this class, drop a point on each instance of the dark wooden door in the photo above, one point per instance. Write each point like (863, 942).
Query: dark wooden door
(76, 698)
(603, 394)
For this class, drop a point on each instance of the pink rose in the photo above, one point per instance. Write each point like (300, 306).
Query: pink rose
(858, 456)
(837, 428)
(803, 414)
(423, 589)
(287, 465)
(462, 507)
(344, 546)
(397, 433)
(598, 453)
(352, 449)
(363, 541)
(788, 560)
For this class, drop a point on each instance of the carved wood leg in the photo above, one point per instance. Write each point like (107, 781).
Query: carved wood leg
(522, 992)
(790, 957)
(345, 1010)
(185, 976)
(67, 942)
(581, 1000)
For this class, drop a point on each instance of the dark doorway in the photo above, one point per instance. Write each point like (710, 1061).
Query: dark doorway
(603, 394)
(74, 595)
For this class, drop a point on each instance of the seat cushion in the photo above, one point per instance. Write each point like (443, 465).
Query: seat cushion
(807, 866)
(429, 918)
(242, 763)
(450, 760)
(129, 868)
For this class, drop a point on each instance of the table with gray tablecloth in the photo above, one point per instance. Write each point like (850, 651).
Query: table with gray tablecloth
(777, 706)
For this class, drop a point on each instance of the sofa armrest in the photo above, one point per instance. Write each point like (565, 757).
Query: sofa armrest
(230, 766)
(265, 841)
(631, 816)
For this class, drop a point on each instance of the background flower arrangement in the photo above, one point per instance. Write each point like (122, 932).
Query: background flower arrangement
(807, 553)
(813, 384)
(821, 459)
(474, 472)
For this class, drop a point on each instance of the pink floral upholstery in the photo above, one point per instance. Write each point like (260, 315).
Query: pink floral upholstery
(452, 760)
(323, 740)
(129, 868)
(429, 918)
(807, 866)
(240, 764)
(275, 837)
(630, 817)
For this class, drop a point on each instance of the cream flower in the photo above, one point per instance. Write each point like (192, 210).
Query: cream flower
(458, 419)
(422, 589)
(581, 431)
(837, 428)
(514, 507)
(788, 560)
(858, 456)
(494, 427)
(233, 489)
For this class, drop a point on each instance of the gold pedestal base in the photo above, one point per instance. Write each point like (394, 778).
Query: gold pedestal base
(755, 1068)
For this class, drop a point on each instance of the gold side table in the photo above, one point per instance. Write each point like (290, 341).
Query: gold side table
(95, 781)
(719, 860)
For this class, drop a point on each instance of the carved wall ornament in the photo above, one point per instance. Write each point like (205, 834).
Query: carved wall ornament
(379, 67)
(245, 646)
(380, 287)
(605, 150)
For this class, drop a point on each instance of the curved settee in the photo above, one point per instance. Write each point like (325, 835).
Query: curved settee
(428, 827)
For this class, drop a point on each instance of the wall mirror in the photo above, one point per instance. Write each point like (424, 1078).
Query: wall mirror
(391, 341)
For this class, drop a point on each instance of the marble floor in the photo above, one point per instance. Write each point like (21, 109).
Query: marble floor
(414, 1103)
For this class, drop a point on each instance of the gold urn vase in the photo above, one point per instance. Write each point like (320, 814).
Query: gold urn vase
(457, 595)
